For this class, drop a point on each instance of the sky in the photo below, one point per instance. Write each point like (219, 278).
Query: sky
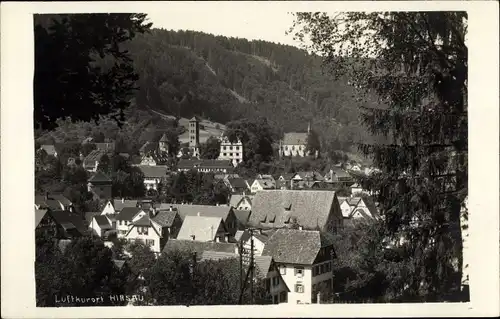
(250, 24)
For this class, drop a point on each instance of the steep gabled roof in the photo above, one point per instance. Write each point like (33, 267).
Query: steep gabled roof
(100, 177)
(242, 215)
(165, 218)
(103, 222)
(310, 208)
(119, 204)
(237, 183)
(262, 264)
(293, 246)
(39, 214)
(69, 220)
(128, 213)
(201, 227)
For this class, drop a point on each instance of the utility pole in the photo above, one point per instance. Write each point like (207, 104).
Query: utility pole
(251, 266)
(249, 271)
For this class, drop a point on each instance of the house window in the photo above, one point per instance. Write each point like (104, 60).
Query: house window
(286, 148)
(315, 271)
(322, 269)
(283, 270)
(150, 242)
(230, 154)
(225, 154)
(237, 148)
(224, 147)
(230, 147)
(299, 288)
(268, 284)
(275, 299)
(299, 271)
(293, 147)
(283, 296)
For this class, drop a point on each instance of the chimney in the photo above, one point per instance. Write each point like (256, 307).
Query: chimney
(46, 195)
(153, 210)
(171, 208)
(193, 237)
(123, 200)
(260, 231)
(198, 214)
(300, 227)
(217, 239)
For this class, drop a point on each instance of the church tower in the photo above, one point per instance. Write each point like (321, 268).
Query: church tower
(194, 135)
(163, 144)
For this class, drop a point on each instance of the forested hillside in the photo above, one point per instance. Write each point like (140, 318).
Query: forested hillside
(185, 73)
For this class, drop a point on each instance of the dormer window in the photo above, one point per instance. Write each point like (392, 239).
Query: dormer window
(264, 220)
(272, 218)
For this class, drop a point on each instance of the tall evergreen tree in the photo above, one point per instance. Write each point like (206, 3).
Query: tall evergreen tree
(68, 82)
(416, 63)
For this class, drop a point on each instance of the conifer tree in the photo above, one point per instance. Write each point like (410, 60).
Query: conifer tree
(416, 64)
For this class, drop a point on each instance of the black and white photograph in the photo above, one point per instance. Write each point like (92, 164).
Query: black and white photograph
(302, 157)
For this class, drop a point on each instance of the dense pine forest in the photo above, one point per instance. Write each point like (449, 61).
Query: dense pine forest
(186, 73)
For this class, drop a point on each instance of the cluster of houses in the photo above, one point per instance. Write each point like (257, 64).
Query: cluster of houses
(289, 230)
(287, 219)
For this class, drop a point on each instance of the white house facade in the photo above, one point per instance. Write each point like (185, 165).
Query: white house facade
(231, 151)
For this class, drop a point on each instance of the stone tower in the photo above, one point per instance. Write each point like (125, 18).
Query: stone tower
(194, 135)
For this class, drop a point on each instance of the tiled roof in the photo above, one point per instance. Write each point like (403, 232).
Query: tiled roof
(201, 227)
(90, 215)
(119, 204)
(102, 221)
(100, 177)
(128, 213)
(237, 182)
(242, 215)
(262, 264)
(217, 255)
(310, 208)
(293, 246)
(241, 235)
(198, 246)
(294, 138)
(154, 171)
(69, 220)
(62, 199)
(194, 119)
(143, 221)
(39, 214)
(203, 210)
(165, 218)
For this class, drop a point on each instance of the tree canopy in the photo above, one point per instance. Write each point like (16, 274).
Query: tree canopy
(416, 63)
(68, 82)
